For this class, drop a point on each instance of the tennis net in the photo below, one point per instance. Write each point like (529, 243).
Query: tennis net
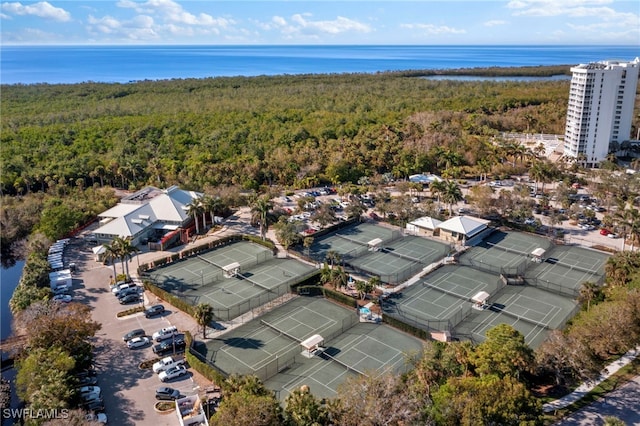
(326, 356)
(507, 249)
(400, 255)
(449, 292)
(577, 268)
(344, 237)
(244, 277)
(519, 317)
(204, 259)
(283, 333)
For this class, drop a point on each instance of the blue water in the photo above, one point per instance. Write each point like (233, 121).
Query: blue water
(9, 278)
(122, 64)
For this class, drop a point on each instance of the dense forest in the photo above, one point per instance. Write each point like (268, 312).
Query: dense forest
(284, 130)
(65, 147)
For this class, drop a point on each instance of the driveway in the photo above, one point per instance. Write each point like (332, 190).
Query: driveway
(128, 391)
(623, 403)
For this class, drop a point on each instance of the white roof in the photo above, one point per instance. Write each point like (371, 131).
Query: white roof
(422, 178)
(231, 267)
(480, 297)
(130, 219)
(466, 225)
(99, 249)
(375, 242)
(426, 222)
(119, 210)
(312, 342)
(539, 252)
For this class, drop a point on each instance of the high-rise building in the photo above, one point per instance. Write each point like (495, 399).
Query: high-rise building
(601, 101)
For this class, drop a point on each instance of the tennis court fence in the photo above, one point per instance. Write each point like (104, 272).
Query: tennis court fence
(431, 324)
(468, 259)
(245, 263)
(552, 287)
(361, 266)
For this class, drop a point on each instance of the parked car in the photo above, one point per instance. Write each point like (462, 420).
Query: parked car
(613, 235)
(173, 373)
(165, 333)
(605, 232)
(96, 405)
(65, 298)
(166, 347)
(153, 311)
(87, 381)
(90, 372)
(63, 289)
(128, 291)
(138, 342)
(129, 298)
(138, 332)
(86, 390)
(118, 288)
(97, 417)
(166, 363)
(167, 394)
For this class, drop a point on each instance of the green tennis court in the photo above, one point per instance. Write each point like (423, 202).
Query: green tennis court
(369, 348)
(532, 311)
(261, 279)
(441, 299)
(352, 241)
(269, 347)
(565, 269)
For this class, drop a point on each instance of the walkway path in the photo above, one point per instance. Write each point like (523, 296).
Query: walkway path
(588, 386)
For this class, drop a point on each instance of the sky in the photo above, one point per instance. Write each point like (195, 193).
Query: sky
(356, 22)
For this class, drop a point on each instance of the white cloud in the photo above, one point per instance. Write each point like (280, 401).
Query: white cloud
(172, 12)
(494, 23)
(140, 28)
(42, 9)
(431, 29)
(336, 26)
(302, 25)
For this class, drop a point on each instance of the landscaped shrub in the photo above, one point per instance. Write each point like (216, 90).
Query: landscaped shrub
(130, 311)
(403, 326)
(173, 300)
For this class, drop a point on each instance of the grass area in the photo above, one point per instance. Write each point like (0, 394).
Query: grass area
(621, 377)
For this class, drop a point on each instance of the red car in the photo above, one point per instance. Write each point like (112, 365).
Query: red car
(605, 232)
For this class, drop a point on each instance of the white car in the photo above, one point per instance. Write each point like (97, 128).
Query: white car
(165, 333)
(138, 342)
(172, 373)
(99, 417)
(62, 298)
(86, 391)
(166, 363)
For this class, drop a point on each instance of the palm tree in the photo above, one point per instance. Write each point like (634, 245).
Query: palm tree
(333, 257)
(126, 250)
(203, 315)
(212, 205)
(452, 194)
(193, 211)
(364, 287)
(260, 213)
(437, 188)
(111, 254)
(588, 292)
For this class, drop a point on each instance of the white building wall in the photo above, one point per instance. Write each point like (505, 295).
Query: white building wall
(600, 108)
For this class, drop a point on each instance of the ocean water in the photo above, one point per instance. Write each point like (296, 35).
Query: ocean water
(122, 64)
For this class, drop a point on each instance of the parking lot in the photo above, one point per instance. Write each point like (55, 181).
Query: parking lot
(128, 391)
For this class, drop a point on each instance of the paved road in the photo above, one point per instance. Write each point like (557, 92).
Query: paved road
(129, 392)
(623, 403)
